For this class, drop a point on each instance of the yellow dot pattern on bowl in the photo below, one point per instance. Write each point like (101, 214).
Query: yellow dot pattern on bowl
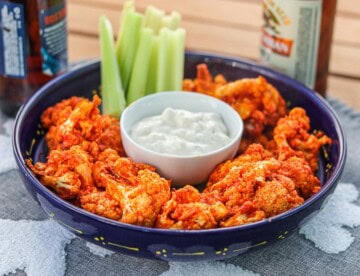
(164, 253)
(222, 252)
(52, 215)
(200, 253)
(283, 236)
(124, 246)
(100, 239)
(40, 132)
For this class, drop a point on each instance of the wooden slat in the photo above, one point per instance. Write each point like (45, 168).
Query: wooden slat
(345, 60)
(345, 89)
(344, 29)
(218, 38)
(349, 7)
(82, 47)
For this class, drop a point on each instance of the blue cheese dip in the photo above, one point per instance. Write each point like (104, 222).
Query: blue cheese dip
(181, 132)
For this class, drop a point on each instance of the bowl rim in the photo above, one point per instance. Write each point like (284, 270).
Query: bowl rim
(88, 66)
(233, 140)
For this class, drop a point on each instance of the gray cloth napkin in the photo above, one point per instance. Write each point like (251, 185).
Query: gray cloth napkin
(294, 255)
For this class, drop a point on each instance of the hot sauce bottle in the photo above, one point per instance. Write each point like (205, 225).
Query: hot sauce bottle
(296, 39)
(33, 48)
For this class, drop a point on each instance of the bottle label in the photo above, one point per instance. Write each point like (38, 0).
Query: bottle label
(12, 40)
(290, 37)
(53, 34)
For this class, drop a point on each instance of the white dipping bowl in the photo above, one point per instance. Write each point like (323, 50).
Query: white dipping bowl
(194, 169)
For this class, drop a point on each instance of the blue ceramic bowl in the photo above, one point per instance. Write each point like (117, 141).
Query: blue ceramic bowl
(176, 245)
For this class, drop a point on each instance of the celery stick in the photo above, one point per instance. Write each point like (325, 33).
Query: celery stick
(140, 69)
(152, 67)
(177, 52)
(127, 6)
(153, 18)
(126, 44)
(163, 83)
(172, 21)
(113, 100)
(170, 67)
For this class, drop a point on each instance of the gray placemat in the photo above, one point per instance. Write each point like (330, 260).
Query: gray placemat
(295, 255)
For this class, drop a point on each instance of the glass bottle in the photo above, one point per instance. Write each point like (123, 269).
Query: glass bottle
(33, 48)
(297, 38)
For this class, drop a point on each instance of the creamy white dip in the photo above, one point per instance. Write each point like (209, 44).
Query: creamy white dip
(181, 132)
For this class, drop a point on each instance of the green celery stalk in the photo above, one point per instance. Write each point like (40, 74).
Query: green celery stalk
(139, 73)
(170, 62)
(127, 6)
(172, 21)
(113, 100)
(163, 82)
(177, 55)
(153, 18)
(152, 67)
(126, 44)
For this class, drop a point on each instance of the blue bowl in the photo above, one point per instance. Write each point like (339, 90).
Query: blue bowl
(176, 245)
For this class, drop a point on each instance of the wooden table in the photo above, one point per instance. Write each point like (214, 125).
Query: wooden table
(230, 27)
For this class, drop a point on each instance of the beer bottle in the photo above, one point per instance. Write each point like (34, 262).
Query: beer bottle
(296, 39)
(33, 48)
